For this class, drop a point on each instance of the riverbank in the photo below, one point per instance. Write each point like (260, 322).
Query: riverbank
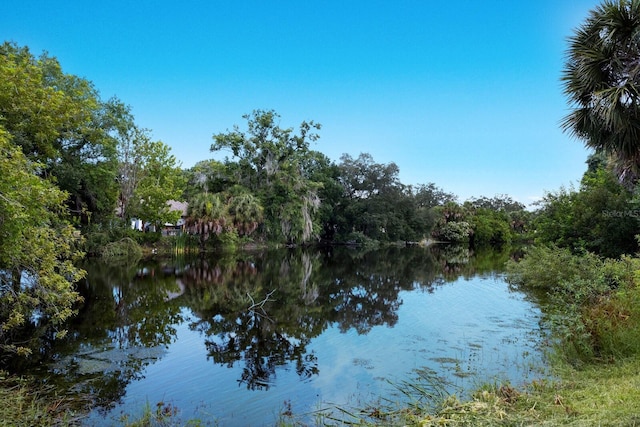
(603, 395)
(595, 395)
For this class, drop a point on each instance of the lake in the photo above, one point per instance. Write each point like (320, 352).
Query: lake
(236, 340)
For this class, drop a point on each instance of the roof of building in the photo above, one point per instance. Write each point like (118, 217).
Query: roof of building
(175, 205)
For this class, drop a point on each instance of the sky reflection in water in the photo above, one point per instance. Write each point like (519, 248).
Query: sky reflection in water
(341, 328)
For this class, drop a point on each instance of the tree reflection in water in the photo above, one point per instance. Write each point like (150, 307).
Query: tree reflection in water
(128, 309)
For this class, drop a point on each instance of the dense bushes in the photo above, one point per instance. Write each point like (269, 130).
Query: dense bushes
(601, 217)
(491, 228)
(594, 305)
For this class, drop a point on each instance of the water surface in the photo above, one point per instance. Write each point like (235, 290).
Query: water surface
(237, 339)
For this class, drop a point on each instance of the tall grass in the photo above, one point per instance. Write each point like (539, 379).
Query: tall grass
(28, 405)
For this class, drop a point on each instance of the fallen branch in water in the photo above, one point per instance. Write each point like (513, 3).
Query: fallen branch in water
(260, 305)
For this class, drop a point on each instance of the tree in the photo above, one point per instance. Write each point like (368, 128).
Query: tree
(161, 180)
(376, 204)
(59, 121)
(452, 223)
(270, 162)
(148, 174)
(429, 195)
(207, 176)
(246, 213)
(206, 216)
(37, 247)
(490, 227)
(496, 221)
(600, 217)
(602, 81)
(363, 177)
(499, 203)
(320, 169)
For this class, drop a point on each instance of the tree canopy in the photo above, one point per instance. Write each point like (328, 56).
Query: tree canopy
(271, 162)
(59, 121)
(602, 82)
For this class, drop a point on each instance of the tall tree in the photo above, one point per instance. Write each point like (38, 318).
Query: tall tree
(270, 162)
(602, 81)
(429, 196)
(377, 205)
(59, 121)
(207, 176)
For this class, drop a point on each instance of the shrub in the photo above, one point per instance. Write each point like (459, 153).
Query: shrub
(455, 232)
(594, 304)
(490, 228)
(123, 251)
(360, 239)
(551, 268)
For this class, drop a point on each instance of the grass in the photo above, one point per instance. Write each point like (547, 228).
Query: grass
(24, 404)
(164, 415)
(595, 395)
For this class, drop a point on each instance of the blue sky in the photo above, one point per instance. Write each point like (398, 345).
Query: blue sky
(464, 94)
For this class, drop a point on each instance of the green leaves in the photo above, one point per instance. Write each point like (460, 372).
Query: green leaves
(600, 217)
(36, 250)
(271, 163)
(161, 180)
(148, 174)
(601, 80)
(58, 120)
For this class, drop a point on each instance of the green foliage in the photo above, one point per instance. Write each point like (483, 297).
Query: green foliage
(376, 204)
(207, 176)
(206, 215)
(429, 196)
(360, 239)
(224, 217)
(490, 228)
(148, 174)
(495, 221)
(37, 248)
(600, 82)
(160, 180)
(601, 217)
(58, 120)
(594, 304)
(455, 232)
(552, 269)
(125, 251)
(272, 163)
(499, 203)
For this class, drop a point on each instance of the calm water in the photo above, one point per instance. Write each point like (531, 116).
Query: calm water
(235, 340)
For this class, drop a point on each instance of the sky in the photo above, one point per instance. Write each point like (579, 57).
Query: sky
(464, 94)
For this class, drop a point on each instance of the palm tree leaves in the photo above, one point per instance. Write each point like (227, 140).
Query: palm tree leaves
(602, 81)
(206, 215)
(247, 213)
(215, 213)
